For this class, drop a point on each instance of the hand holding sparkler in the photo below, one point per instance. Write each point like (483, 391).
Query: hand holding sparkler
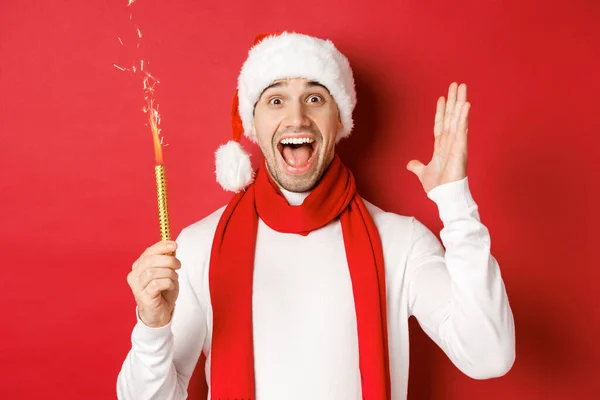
(154, 282)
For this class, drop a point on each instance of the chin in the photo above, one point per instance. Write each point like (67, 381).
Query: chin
(294, 182)
(297, 185)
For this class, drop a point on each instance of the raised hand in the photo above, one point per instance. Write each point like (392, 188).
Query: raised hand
(449, 160)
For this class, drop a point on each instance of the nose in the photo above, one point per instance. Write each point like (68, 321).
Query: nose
(296, 116)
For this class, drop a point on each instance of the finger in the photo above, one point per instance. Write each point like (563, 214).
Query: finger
(462, 93)
(450, 105)
(416, 167)
(438, 124)
(162, 247)
(460, 101)
(139, 279)
(156, 260)
(147, 276)
(463, 125)
(155, 287)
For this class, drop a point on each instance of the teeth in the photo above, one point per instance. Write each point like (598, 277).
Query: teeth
(297, 140)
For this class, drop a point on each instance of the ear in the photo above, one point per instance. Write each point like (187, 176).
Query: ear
(253, 129)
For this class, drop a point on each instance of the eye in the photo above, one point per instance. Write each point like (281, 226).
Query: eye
(275, 101)
(315, 98)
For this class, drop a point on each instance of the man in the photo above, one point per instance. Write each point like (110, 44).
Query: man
(299, 289)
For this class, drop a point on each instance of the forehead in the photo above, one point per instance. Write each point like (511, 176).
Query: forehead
(300, 83)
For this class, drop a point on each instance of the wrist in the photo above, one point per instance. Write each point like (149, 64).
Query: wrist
(151, 320)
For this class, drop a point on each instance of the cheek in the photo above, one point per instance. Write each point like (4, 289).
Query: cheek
(265, 126)
(329, 126)
(264, 138)
(264, 142)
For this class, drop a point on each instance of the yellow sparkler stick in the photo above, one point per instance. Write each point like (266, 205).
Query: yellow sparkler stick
(163, 208)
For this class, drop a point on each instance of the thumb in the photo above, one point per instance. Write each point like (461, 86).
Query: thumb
(416, 167)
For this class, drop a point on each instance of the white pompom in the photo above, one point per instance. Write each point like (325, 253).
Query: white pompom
(233, 168)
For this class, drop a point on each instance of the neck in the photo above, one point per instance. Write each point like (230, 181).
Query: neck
(294, 198)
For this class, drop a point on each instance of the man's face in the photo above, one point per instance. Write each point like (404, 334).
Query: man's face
(295, 123)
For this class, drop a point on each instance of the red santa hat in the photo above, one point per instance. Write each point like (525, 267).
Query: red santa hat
(274, 57)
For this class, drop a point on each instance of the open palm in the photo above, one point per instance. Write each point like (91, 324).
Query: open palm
(449, 160)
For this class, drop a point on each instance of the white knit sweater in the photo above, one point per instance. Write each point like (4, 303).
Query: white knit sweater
(305, 336)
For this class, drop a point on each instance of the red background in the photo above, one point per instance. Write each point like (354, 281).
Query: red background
(78, 194)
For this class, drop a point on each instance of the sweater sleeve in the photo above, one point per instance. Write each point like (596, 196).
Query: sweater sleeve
(458, 295)
(161, 360)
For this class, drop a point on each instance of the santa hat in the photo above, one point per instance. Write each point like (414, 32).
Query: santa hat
(274, 57)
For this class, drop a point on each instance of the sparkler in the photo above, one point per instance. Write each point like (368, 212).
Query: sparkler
(150, 108)
(159, 169)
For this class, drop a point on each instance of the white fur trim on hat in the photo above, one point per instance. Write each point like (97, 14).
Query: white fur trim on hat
(293, 55)
(233, 168)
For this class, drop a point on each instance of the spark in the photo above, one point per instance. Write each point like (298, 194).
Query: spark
(152, 111)
(149, 82)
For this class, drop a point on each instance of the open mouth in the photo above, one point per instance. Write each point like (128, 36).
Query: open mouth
(297, 152)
